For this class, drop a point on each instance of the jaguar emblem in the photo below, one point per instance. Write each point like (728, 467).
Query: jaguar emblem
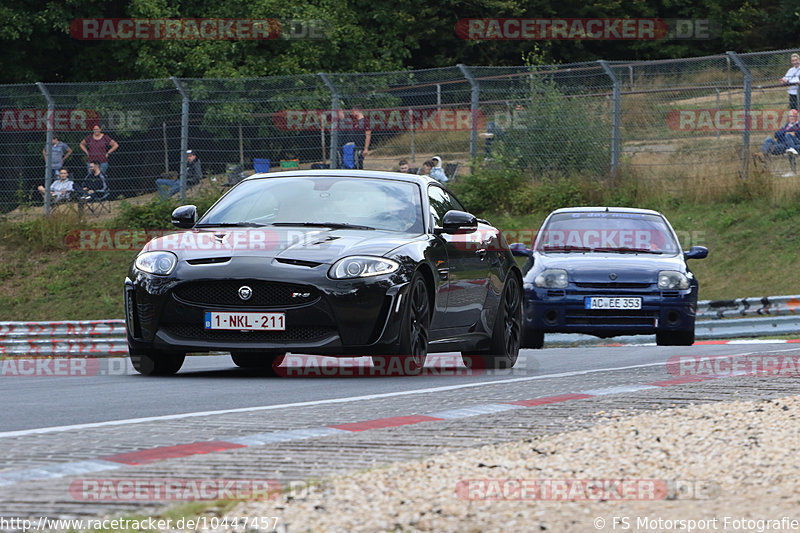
(245, 292)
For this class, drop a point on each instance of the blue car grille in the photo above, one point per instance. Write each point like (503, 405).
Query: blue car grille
(622, 317)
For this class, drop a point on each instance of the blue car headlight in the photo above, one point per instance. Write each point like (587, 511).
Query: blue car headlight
(672, 280)
(552, 278)
(362, 266)
(159, 263)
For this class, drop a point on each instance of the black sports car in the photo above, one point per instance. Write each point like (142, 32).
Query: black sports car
(328, 262)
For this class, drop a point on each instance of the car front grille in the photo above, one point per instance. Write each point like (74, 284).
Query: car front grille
(226, 293)
(622, 317)
(612, 285)
(293, 334)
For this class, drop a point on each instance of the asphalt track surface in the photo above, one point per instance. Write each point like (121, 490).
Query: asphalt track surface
(115, 392)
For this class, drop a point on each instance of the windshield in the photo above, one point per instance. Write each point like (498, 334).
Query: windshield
(607, 232)
(338, 202)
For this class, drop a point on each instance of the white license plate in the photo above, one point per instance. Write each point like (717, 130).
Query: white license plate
(247, 321)
(602, 302)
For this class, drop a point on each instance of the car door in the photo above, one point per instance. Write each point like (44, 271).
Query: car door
(467, 265)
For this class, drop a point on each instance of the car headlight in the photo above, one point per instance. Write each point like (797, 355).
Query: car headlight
(672, 280)
(359, 266)
(160, 263)
(552, 278)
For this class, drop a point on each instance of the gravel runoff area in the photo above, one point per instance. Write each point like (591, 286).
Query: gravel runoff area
(711, 467)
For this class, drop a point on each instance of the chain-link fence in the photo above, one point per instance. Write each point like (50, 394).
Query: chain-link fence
(662, 122)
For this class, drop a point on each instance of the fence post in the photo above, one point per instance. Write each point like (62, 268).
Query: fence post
(615, 117)
(748, 86)
(473, 107)
(184, 133)
(48, 165)
(334, 120)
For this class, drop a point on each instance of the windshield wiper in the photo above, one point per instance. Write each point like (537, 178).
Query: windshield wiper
(332, 225)
(626, 250)
(231, 225)
(562, 248)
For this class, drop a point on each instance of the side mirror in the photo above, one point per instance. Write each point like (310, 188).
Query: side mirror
(184, 216)
(696, 252)
(455, 221)
(520, 250)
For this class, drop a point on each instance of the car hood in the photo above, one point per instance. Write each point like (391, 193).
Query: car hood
(321, 245)
(597, 267)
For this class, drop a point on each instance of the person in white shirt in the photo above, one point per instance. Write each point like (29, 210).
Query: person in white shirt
(792, 79)
(61, 188)
(437, 172)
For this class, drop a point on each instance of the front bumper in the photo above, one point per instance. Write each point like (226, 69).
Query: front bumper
(564, 311)
(342, 317)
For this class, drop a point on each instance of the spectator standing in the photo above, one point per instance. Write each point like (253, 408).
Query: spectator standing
(94, 185)
(437, 172)
(792, 79)
(194, 173)
(97, 147)
(61, 188)
(358, 133)
(402, 166)
(60, 152)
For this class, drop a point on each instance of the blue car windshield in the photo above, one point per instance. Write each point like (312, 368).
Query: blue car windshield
(607, 232)
(339, 202)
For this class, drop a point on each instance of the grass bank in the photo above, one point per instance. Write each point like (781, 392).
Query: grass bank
(753, 251)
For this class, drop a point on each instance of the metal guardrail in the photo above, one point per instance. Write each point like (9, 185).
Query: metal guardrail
(743, 307)
(717, 319)
(67, 337)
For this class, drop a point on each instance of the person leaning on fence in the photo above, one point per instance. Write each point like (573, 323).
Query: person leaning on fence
(194, 173)
(60, 153)
(792, 79)
(437, 172)
(60, 189)
(94, 185)
(97, 147)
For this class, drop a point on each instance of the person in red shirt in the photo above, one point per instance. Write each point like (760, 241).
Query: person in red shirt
(97, 147)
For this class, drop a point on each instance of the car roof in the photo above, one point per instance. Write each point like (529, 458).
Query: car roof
(606, 209)
(374, 174)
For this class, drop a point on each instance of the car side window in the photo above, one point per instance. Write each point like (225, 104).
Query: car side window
(440, 203)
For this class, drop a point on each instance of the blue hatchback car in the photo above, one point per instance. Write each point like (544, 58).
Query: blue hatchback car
(608, 271)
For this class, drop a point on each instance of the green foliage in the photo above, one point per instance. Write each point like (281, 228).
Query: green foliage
(157, 213)
(555, 133)
(491, 188)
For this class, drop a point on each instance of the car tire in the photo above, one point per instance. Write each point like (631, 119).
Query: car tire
(507, 332)
(675, 338)
(156, 362)
(262, 361)
(533, 338)
(412, 346)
